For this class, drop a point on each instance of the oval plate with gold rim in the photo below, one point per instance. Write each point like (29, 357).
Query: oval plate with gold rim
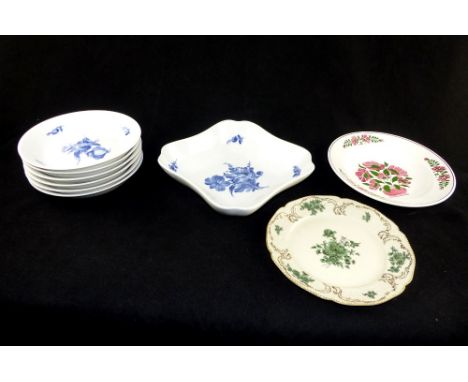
(340, 250)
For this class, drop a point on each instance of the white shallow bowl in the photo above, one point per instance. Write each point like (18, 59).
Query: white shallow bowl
(87, 171)
(236, 166)
(78, 140)
(82, 185)
(340, 250)
(91, 191)
(391, 169)
(87, 176)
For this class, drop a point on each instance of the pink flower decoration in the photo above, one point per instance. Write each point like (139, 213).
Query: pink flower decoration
(373, 163)
(382, 176)
(400, 171)
(438, 168)
(354, 140)
(403, 180)
(360, 174)
(395, 192)
(365, 138)
(389, 179)
(373, 185)
(444, 178)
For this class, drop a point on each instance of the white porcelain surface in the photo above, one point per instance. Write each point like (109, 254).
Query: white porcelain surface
(79, 140)
(83, 185)
(340, 250)
(87, 176)
(236, 166)
(91, 191)
(87, 171)
(391, 169)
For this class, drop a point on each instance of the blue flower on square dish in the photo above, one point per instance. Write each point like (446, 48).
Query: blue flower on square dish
(217, 182)
(173, 166)
(296, 171)
(236, 139)
(236, 166)
(236, 179)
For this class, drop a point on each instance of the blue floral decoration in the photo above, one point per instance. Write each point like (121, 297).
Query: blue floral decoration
(236, 139)
(126, 130)
(173, 166)
(236, 179)
(296, 171)
(57, 130)
(88, 147)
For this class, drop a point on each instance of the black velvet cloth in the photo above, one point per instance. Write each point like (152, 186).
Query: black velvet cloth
(151, 262)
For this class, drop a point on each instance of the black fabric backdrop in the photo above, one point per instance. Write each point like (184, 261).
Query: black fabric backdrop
(151, 262)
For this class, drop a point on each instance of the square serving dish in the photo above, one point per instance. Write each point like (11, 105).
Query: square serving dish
(236, 166)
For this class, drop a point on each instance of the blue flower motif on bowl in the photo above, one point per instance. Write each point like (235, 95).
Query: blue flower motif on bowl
(296, 171)
(55, 131)
(217, 182)
(236, 139)
(87, 147)
(173, 166)
(126, 130)
(236, 179)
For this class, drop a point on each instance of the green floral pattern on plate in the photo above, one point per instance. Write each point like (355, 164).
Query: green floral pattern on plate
(370, 294)
(334, 252)
(366, 217)
(313, 206)
(302, 276)
(278, 229)
(397, 260)
(321, 273)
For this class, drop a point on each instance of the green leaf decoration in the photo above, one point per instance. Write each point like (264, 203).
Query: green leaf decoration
(370, 294)
(302, 276)
(360, 140)
(440, 172)
(278, 229)
(366, 217)
(313, 206)
(379, 176)
(337, 253)
(329, 233)
(397, 259)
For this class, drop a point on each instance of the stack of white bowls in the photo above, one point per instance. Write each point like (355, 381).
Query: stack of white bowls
(81, 154)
